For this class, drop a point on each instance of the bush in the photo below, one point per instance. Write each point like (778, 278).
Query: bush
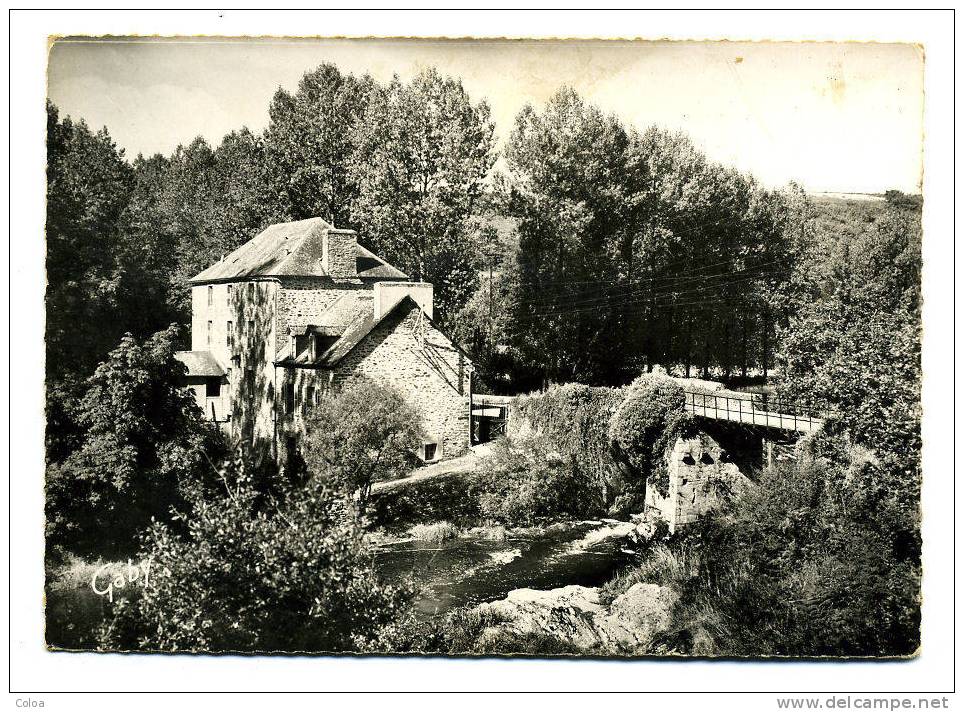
(437, 531)
(805, 564)
(574, 419)
(255, 576)
(646, 425)
(143, 438)
(524, 482)
(463, 632)
(452, 497)
(364, 433)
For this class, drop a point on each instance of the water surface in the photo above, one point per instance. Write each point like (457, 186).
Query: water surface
(472, 570)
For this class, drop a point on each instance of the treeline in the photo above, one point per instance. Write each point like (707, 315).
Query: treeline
(633, 249)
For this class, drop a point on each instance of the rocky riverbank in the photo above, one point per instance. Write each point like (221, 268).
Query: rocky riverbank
(575, 617)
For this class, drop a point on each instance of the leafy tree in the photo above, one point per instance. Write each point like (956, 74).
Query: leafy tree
(88, 184)
(142, 433)
(364, 433)
(526, 481)
(422, 152)
(200, 204)
(566, 168)
(255, 576)
(309, 145)
(574, 420)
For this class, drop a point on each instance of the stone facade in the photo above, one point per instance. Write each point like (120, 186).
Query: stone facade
(235, 322)
(407, 351)
(338, 253)
(701, 478)
(304, 300)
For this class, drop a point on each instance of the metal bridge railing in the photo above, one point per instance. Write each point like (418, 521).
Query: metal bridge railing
(753, 410)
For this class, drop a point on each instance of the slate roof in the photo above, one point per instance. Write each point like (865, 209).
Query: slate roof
(199, 363)
(289, 249)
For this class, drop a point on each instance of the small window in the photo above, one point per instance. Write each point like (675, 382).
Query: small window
(289, 398)
(249, 382)
(210, 329)
(230, 290)
(431, 451)
(230, 334)
(250, 328)
(309, 398)
(210, 295)
(212, 387)
(250, 290)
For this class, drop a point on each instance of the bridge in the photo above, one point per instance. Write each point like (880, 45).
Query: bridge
(753, 410)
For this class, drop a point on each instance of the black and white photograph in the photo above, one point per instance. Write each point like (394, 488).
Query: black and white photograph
(575, 349)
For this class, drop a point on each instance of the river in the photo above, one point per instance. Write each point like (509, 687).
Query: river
(474, 569)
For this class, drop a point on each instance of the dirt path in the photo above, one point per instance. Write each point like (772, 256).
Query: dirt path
(465, 463)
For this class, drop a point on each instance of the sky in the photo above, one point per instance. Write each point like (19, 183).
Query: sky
(844, 117)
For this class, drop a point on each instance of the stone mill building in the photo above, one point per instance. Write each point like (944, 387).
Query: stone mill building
(292, 314)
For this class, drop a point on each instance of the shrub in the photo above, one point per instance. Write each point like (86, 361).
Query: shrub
(257, 576)
(365, 432)
(574, 419)
(437, 531)
(143, 437)
(453, 497)
(646, 425)
(467, 631)
(805, 564)
(524, 482)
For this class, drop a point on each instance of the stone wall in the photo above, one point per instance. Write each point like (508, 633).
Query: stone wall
(304, 300)
(340, 253)
(247, 356)
(702, 478)
(409, 353)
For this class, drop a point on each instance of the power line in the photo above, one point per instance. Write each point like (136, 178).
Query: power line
(623, 296)
(656, 299)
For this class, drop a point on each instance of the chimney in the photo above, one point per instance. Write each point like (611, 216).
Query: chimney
(388, 294)
(339, 253)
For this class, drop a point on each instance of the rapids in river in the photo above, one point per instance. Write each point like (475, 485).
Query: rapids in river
(473, 569)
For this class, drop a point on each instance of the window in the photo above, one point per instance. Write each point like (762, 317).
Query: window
(250, 328)
(210, 295)
(230, 334)
(212, 387)
(249, 383)
(250, 290)
(210, 329)
(289, 397)
(230, 291)
(431, 451)
(309, 398)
